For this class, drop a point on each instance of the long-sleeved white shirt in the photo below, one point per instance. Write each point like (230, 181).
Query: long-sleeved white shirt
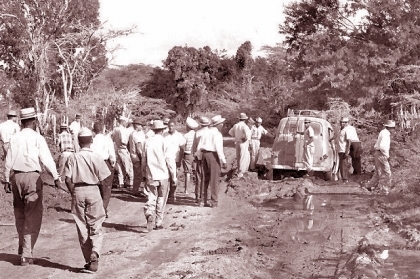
(240, 131)
(104, 147)
(8, 129)
(27, 150)
(212, 141)
(383, 143)
(155, 159)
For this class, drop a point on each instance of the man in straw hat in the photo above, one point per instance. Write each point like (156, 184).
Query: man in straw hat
(7, 130)
(65, 143)
(84, 171)
(27, 150)
(213, 158)
(309, 146)
(204, 123)
(175, 141)
(135, 147)
(187, 161)
(157, 168)
(382, 176)
(103, 146)
(124, 166)
(242, 134)
(257, 131)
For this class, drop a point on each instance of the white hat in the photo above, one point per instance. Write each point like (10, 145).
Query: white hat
(204, 121)
(217, 119)
(191, 123)
(390, 124)
(258, 120)
(123, 118)
(158, 125)
(27, 113)
(243, 116)
(344, 119)
(85, 132)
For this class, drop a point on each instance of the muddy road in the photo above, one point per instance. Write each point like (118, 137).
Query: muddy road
(296, 228)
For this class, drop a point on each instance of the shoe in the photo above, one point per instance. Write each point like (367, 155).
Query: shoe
(20, 250)
(345, 181)
(150, 223)
(94, 262)
(160, 227)
(26, 261)
(87, 266)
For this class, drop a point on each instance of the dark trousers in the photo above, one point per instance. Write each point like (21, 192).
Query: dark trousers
(356, 155)
(28, 208)
(344, 166)
(106, 186)
(211, 168)
(199, 181)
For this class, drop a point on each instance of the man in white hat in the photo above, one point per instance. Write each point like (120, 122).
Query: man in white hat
(257, 131)
(124, 166)
(242, 134)
(157, 168)
(309, 146)
(84, 171)
(135, 147)
(27, 150)
(187, 161)
(66, 145)
(204, 123)
(175, 142)
(382, 176)
(103, 146)
(213, 159)
(74, 128)
(7, 130)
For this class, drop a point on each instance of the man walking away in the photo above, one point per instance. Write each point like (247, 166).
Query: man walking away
(65, 143)
(7, 130)
(84, 171)
(27, 150)
(382, 176)
(309, 146)
(157, 168)
(135, 147)
(75, 127)
(242, 134)
(188, 160)
(124, 165)
(104, 147)
(199, 173)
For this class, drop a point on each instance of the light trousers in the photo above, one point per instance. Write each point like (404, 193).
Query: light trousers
(242, 156)
(382, 176)
(157, 196)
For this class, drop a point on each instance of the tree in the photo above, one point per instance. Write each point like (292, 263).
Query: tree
(244, 62)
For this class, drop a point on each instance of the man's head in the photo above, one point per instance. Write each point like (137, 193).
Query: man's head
(307, 122)
(243, 116)
(158, 126)
(85, 137)
(344, 122)
(191, 124)
(78, 117)
(98, 127)
(171, 127)
(63, 127)
(390, 125)
(123, 121)
(217, 121)
(137, 123)
(258, 121)
(28, 118)
(12, 115)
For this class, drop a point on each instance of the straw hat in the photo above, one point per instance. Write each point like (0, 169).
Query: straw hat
(243, 116)
(85, 132)
(390, 124)
(158, 125)
(191, 123)
(217, 119)
(204, 121)
(344, 119)
(12, 113)
(137, 120)
(27, 113)
(258, 120)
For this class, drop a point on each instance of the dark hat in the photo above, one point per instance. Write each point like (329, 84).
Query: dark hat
(12, 113)
(27, 113)
(78, 116)
(138, 120)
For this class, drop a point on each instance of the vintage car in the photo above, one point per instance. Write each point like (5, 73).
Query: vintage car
(288, 146)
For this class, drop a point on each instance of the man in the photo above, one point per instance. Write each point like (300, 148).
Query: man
(104, 147)
(84, 171)
(26, 151)
(382, 176)
(242, 134)
(157, 168)
(66, 146)
(199, 173)
(211, 147)
(188, 160)
(309, 146)
(175, 141)
(150, 132)
(7, 130)
(346, 138)
(124, 165)
(355, 150)
(75, 127)
(257, 131)
(135, 147)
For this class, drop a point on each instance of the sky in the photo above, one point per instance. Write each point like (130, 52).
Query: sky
(163, 24)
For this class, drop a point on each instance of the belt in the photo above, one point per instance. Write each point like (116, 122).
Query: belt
(207, 151)
(83, 185)
(16, 171)
(255, 138)
(68, 150)
(187, 153)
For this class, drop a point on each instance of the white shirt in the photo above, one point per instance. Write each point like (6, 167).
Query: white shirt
(383, 143)
(8, 129)
(27, 149)
(104, 147)
(308, 136)
(155, 158)
(212, 141)
(136, 137)
(189, 140)
(75, 128)
(257, 132)
(240, 131)
(175, 141)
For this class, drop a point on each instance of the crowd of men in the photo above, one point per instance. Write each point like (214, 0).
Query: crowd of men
(145, 160)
